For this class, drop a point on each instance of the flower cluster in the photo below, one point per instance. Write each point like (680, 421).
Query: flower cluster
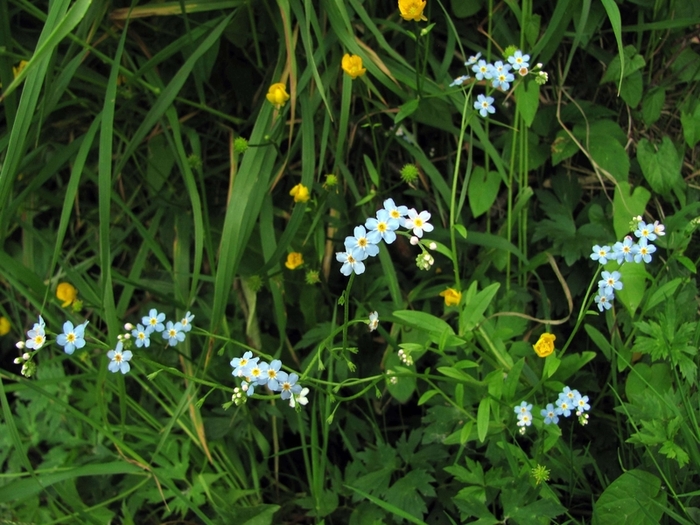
(499, 75)
(261, 374)
(568, 401)
(366, 239)
(72, 337)
(140, 335)
(624, 252)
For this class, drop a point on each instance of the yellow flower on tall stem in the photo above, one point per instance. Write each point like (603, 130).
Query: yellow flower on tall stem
(452, 296)
(545, 345)
(352, 65)
(300, 193)
(277, 95)
(412, 10)
(294, 260)
(67, 293)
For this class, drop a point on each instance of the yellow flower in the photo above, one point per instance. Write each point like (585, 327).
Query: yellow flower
(277, 95)
(412, 10)
(16, 70)
(294, 260)
(300, 193)
(67, 293)
(4, 326)
(352, 65)
(452, 297)
(545, 345)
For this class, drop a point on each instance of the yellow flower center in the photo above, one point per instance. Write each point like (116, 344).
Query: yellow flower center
(70, 338)
(118, 357)
(172, 332)
(381, 227)
(362, 242)
(418, 222)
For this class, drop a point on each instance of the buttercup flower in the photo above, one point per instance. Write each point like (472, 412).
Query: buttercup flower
(277, 95)
(67, 293)
(412, 10)
(352, 65)
(4, 326)
(373, 321)
(452, 296)
(72, 338)
(173, 333)
(545, 345)
(119, 359)
(418, 222)
(294, 260)
(300, 193)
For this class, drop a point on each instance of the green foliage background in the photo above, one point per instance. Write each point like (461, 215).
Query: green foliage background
(119, 174)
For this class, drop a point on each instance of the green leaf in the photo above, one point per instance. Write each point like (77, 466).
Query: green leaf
(627, 204)
(388, 507)
(635, 498)
(406, 110)
(426, 396)
(661, 167)
(632, 88)
(691, 126)
(373, 175)
(474, 308)
(461, 230)
(483, 190)
(563, 147)
(610, 155)
(482, 418)
(663, 293)
(600, 341)
(527, 97)
(652, 105)
(404, 387)
(465, 8)
(634, 278)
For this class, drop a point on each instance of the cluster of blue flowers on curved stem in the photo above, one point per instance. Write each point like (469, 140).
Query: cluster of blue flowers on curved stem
(365, 241)
(499, 74)
(258, 373)
(623, 252)
(569, 401)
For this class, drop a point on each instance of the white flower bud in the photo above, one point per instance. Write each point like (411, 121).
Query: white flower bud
(26, 356)
(18, 360)
(129, 327)
(20, 345)
(415, 240)
(127, 336)
(432, 246)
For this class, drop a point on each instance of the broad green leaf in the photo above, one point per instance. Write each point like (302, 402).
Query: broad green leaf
(627, 204)
(406, 110)
(474, 309)
(691, 126)
(482, 418)
(632, 88)
(483, 190)
(633, 63)
(465, 8)
(635, 498)
(652, 105)
(642, 376)
(403, 388)
(610, 155)
(563, 147)
(634, 278)
(527, 97)
(661, 167)
(663, 293)
(600, 341)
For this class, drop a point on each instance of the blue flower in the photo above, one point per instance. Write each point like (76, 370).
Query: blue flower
(186, 322)
(240, 364)
(564, 407)
(642, 251)
(396, 212)
(570, 395)
(459, 80)
(623, 251)
(519, 61)
(142, 335)
(645, 231)
(36, 336)
(248, 388)
(381, 228)
(473, 59)
(604, 301)
(522, 408)
(154, 320)
(582, 405)
(659, 228)
(550, 414)
(174, 333)
(503, 80)
(483, 70)
(484, 105)
(288, 384)
(609, 283)
(418, 222)
(119, 359)
(269, 374)
(601, 254)
(359, 245)
(72, 338)
(350, 263)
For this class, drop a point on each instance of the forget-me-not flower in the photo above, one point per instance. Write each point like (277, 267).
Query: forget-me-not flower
(396, 212)
(154, 320)
(269, 373)
(173, 333)
(119, 359)
(484, 105)
(564, 406)
(604, 301)
(142, 335)
(609, 283)
(645, 231)
(383, 227)
(360, 246)
(240, 364)
(299, 398)
(288, 384)
(373, 321)
(601, 254)
(642, 251)
(518, 60)
(473, 59)
(459, 80)
(72, 337)
(36, 336)
(622, 251)
(418, 222)
(483, 70)
(186, 322)
(350, 263)
(550, 415)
